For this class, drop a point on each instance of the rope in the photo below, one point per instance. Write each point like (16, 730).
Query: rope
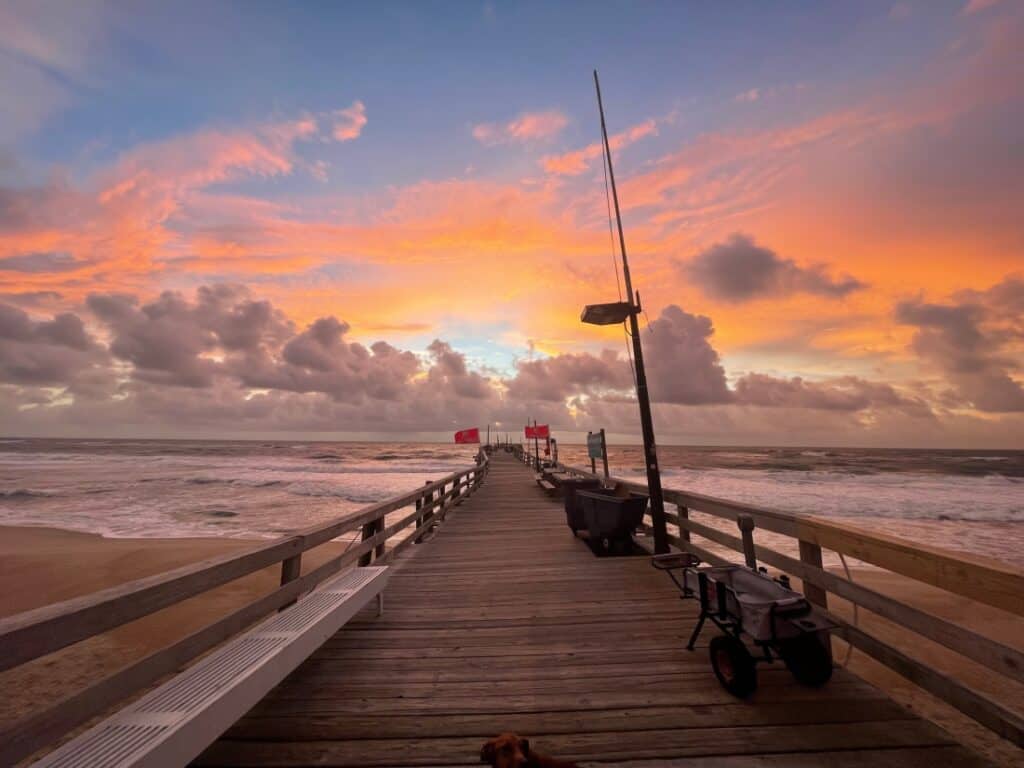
(615, 261)
(611, 232)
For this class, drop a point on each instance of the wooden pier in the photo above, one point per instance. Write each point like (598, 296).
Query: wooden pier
(497, 619)
(503, 621)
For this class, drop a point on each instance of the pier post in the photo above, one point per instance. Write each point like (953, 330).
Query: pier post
(810, 553)
(370, 530)
(684, 514)
(746, 526)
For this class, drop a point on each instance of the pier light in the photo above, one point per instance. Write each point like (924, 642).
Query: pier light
(614, 313)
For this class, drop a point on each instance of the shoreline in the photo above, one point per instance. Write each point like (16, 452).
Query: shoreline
(43, 565)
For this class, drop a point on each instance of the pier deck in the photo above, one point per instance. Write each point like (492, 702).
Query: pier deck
(503, 621)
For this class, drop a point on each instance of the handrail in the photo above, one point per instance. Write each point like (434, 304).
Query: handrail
(990, 582)
(39, 632)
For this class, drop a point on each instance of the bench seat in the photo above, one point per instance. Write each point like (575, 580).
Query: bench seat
(547, 486)
(172, 724)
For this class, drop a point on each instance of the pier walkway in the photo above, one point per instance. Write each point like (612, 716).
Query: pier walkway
(503, 621)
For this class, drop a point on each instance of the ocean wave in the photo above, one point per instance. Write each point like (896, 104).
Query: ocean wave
(320, 490)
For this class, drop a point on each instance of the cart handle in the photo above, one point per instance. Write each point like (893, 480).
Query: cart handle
(675, 560)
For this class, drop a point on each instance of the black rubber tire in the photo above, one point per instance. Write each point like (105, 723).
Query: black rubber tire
(734, 666)
(808, 658)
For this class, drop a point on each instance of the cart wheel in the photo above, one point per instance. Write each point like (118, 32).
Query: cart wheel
(808, 658)
(733, 665)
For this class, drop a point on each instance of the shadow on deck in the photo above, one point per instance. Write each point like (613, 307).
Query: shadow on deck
(504, 621)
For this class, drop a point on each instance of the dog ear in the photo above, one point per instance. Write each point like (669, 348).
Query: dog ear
(524, 746)
(487, 752)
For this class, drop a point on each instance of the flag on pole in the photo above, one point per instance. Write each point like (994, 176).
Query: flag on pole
(468, 435)
(540, 432)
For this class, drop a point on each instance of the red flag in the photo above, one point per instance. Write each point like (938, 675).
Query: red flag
(540, 431)
(468, 435)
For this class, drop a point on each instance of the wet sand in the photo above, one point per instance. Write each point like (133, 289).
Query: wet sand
(39, 566)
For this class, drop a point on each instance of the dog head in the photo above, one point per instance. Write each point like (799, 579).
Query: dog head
(506, 750)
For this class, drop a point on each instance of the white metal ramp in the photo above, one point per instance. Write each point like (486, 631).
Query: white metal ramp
(173, 724)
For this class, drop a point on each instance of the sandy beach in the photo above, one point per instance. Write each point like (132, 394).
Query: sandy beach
(39, 566)
(42, 565)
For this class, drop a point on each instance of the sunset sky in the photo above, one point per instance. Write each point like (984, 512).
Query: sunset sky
(382, 220)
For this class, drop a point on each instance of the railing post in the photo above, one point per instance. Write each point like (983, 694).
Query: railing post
(684, 514)
(810, 553)
(379, 552)
(746, 525)
(291, 569)
(369, 529)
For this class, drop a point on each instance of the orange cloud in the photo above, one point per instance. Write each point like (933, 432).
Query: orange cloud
(349, 122)
(527, 127)
(576, 162)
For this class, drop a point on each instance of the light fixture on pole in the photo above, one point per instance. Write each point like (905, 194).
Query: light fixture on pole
(619, 312)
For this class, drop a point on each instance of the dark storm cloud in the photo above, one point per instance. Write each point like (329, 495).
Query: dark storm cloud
(49, 352)
(163, 340)
(222, 358)
(843, 393)
(971, 340)
(682, 365)
(740, 270)
(558, 377)
(320, 359)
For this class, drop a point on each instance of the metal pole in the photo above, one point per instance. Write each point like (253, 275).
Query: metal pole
(642, 396)
(536, 447)
(593, 461)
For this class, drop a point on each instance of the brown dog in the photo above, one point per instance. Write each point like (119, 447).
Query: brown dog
(508, 750)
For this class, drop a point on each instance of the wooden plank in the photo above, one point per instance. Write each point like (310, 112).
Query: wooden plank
(920, 757)
(989, 713)
(322, 727)
(36, 633)
(983, 579)
(691, 742)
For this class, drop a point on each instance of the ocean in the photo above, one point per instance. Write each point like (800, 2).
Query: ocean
(966, 500)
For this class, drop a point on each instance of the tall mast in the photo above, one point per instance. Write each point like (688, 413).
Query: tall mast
(642, 396)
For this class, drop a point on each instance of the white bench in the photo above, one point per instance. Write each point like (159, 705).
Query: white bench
(173, 724)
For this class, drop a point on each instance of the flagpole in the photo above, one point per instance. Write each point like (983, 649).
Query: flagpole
(642, 396)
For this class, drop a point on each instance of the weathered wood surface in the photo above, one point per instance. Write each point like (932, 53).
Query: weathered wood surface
(504, 621)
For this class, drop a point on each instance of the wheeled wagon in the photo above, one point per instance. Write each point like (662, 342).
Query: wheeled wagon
(742, 602)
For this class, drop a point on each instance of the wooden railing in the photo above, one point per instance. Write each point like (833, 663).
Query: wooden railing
(983, 580)
(39, 632)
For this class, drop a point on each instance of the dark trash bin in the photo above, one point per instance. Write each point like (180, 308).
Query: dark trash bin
(573, 513)
(611, 516)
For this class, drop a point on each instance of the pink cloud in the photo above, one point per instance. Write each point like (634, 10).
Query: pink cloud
(527, 127)
(349, 122)
(576, 162)
(974, 6)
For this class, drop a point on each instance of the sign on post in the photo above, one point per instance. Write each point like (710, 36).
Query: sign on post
(597, 448)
